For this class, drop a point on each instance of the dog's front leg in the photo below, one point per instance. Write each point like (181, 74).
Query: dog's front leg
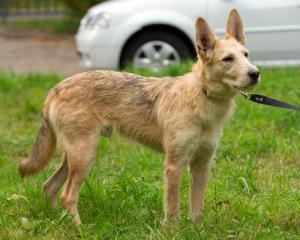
(173, 168)
(199, 168)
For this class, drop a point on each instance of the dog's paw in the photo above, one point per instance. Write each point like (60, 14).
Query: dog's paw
(76, 220)
(197, 220)
(170, 221)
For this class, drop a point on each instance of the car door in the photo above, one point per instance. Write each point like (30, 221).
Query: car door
(272, 27)
(191, 9)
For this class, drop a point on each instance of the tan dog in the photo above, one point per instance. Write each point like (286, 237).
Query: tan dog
(181, 117)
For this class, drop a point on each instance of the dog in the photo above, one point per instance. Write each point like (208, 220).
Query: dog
(181, 117)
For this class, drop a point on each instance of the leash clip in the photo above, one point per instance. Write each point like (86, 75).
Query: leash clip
(246, 95)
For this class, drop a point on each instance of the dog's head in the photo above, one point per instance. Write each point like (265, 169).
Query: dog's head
(225, 65)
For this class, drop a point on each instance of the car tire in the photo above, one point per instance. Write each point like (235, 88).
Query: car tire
(170, 42)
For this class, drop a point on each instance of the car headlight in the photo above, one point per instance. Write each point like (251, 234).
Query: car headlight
(100, 20)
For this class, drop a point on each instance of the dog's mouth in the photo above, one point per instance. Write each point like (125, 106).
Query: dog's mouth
(245, 85)
(250, 85)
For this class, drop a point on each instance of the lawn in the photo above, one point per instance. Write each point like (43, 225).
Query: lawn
(69, 25)
(253, 192)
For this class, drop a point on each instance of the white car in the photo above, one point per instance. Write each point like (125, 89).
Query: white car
(156, 33)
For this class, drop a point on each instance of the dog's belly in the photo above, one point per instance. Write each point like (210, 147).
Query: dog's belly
(149, 136)
(154, 145)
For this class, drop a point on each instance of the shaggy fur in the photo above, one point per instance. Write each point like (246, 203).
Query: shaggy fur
(181, 117)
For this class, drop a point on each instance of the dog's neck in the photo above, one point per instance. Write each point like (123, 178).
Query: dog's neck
(216, 95)
(211, 89)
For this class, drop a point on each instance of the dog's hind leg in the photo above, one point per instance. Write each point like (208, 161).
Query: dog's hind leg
(54, 183)
(80, 156)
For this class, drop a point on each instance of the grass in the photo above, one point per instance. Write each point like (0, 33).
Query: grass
(34, 4)
(253, 192)
(66, 25)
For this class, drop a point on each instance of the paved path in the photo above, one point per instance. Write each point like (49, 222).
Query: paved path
(32, 51)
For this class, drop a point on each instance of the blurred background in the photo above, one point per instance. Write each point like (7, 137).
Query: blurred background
(38, 35)
(69, 36)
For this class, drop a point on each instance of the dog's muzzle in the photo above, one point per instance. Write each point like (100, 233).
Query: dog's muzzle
(253, 76)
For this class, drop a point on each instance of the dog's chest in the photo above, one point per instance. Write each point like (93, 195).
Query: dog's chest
(208, 136)
(213, 115)
(209, 126)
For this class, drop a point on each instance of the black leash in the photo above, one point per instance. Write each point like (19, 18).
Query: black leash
(268, 101)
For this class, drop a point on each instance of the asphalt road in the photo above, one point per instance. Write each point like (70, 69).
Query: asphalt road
(33, 51)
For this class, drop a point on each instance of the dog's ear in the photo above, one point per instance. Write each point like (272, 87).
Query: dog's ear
(235, 27)
(205, 39)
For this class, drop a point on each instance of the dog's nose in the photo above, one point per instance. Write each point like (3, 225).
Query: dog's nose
(254, 75)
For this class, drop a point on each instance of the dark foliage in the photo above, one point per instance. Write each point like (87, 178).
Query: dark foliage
(80, 7)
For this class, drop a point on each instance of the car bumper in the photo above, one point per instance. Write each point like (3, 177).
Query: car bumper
(95, 49)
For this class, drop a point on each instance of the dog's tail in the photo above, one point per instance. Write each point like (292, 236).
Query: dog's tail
(42, 152)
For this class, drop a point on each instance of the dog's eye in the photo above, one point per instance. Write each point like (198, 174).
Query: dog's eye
(228, 59)
(246, 54)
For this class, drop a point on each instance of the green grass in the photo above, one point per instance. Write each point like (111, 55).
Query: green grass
(66, 25)
(34, 4)
(253, 192)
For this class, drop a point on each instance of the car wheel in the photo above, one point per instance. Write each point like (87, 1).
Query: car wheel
(155, 50)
